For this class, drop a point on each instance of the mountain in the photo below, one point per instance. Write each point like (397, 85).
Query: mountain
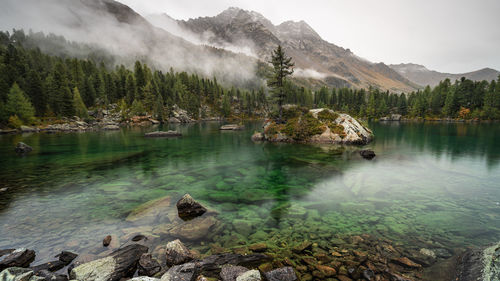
(118, 29)
(314, 57)
(421, 75)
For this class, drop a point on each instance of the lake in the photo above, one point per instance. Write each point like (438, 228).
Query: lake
(430, 184)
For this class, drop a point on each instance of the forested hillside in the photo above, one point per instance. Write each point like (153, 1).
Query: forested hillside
(34, 83)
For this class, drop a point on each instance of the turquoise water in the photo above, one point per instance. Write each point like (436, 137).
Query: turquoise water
(431, 185)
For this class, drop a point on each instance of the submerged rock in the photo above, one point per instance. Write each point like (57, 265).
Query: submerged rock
(22, 148)
(163, 134)
(111, 127)
(177, 253)
(188, 208)
(367, 154)
(67, 257)
(258, 136)
(196, 229)
(19, 258)
(232, 127)
(121, 263)
(150, 210)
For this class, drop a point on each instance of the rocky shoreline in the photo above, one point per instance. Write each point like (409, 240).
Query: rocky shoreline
(357, 257)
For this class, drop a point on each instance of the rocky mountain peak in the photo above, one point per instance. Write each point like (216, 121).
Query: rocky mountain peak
(297, 29)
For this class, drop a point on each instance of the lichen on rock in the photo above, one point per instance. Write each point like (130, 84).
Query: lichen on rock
(316, 126)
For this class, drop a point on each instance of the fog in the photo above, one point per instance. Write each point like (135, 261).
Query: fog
(89, 22)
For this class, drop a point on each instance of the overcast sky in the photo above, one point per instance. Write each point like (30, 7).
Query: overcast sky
(444, 35)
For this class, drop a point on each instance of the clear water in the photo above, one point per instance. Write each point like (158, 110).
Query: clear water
(430, 184)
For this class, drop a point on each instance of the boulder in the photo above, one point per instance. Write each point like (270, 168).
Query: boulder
(251, 275)
(231, 272)
(26, 129)
(479, 264)
(148, 266)
(19, 274)
(367, 154)
(18, 258)
(163, 134)
(281, 274)
(49, 266)
(22, 148)
(232, 127)
(119, 264)
(396, 117)
(183, 272)
(188, 208)
(177, 253)
(150, 210)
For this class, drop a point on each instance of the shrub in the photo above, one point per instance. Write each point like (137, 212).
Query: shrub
(304, 127)
(15, 122)
(327, 116)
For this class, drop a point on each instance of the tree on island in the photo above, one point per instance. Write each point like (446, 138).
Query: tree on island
(282, 67)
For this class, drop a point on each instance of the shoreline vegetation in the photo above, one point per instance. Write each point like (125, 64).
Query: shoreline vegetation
(38, 89)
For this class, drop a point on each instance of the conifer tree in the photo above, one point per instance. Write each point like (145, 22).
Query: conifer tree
(19, 105)
(282, 67)
(79, 106)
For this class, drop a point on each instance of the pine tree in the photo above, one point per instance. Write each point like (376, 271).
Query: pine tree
(159, 110)
(19, 105)
(34, 90)
(79, 106)
(67, 109)
(450, 104)
(282, 67)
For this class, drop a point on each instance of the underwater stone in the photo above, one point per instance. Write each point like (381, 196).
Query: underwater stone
(106, 241)
(162, 134)
(188, 208)
(367, 154)
(196, 229)
(242, 227)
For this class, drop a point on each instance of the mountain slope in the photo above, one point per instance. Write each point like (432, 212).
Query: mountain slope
(312, 54)
(118, 29)
(423, 76)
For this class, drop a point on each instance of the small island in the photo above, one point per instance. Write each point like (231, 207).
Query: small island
(300, 125)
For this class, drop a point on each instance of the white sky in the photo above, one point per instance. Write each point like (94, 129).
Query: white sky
(445, 35)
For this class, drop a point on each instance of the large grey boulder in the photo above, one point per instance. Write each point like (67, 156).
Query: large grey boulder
(231, 272)
(19, 274)
(119, 264)
(479, 264)
(177, 253)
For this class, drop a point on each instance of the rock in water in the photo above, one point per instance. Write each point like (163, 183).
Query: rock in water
(188, 208)
(232, 127)
(367, 154)
(19, 274)
(148, 266)
(251, 275)
(47, 275)
(231, 272)
(67, 257)
(177, 253)
(211, 265)
(22, 148)
(119, 264)
(19, 258)
(196, 228)
(106, 241)
(281, 274)
(258, 136)
(163, 134)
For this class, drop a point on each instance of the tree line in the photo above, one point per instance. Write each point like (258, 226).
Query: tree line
(47, 86)
(34, 83)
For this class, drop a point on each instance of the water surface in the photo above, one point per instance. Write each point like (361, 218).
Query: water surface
(430, 184)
